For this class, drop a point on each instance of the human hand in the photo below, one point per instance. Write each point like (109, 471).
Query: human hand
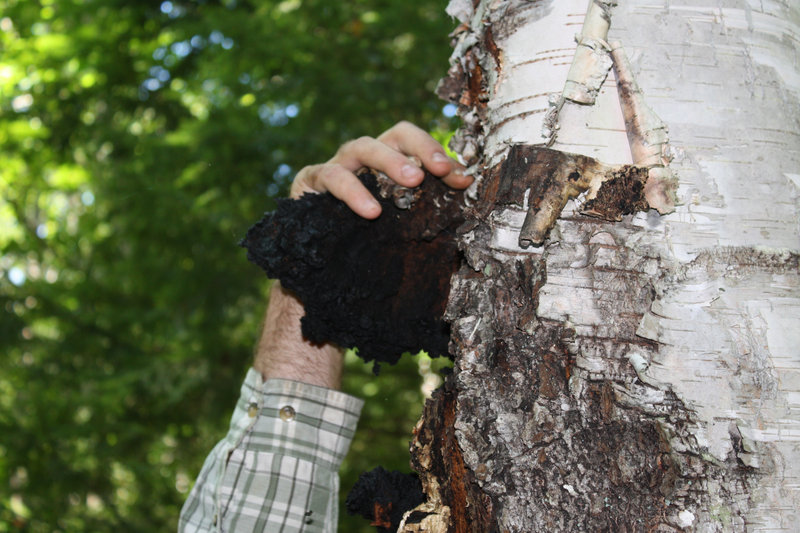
(397, 152)
(282, 351)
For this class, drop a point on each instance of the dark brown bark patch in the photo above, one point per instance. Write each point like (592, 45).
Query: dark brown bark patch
(451, 86)
(476, 94)
(621, 194)
(378, 285)
(546, 179)
(436, 455)
(551, 460)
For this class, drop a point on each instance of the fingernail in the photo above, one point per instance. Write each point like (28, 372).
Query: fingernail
(439, 157)
(411, 172)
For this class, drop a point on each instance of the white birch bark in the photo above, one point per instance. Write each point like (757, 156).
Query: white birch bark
(688, 321)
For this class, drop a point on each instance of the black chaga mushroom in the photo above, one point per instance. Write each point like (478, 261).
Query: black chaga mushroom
(377, 285)
(383, 497)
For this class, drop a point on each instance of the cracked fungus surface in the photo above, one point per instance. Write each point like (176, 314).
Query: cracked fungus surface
(377, 285)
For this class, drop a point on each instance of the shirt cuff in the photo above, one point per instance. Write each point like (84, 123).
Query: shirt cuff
(296, 419)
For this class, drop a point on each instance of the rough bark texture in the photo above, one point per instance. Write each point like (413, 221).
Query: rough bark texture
(454, 500)
(639, 375)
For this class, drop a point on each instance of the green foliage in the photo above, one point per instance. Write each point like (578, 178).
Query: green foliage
(139, 141)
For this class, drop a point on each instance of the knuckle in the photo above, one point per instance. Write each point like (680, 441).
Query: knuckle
(354, 145)
(296, 189)
(327, 171)
(313, 178)
(303, 180)
(395, 130)
(407, 128)
(302, 175)
(304, 172)
(404, 132)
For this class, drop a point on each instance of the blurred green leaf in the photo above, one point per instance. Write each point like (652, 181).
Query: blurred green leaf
(140, 140)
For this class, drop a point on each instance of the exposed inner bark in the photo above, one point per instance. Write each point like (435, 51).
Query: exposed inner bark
(622, 194)
(378, 285)
(451, 488)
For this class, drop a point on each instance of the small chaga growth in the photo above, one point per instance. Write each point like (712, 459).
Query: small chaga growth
(383, 497)
(545, 179)
(378, 285)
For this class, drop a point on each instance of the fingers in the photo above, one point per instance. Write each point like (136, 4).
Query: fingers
(414, 141)
(341, 183)
(372, 153)
(397, 152)
(456, 179)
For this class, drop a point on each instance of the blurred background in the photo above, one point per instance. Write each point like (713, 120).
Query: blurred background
(138, 142)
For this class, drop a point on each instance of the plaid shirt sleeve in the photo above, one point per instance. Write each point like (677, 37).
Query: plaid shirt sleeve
(277, 468)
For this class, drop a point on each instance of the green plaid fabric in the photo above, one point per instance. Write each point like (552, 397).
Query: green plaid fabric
(277, 468)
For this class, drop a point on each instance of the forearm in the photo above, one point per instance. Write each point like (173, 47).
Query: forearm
(277, 426)
(282, 424)
(282, 351)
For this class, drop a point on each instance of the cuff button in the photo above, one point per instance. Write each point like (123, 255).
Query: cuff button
(287, 413)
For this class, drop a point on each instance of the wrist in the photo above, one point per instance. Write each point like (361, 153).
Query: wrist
(282, 351)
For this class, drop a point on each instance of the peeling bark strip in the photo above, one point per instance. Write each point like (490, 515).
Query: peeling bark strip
(590, 65)
(647, 136)
(546, 179)
(378, 285)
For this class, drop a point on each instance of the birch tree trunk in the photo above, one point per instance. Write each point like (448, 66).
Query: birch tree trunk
(639, 374)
